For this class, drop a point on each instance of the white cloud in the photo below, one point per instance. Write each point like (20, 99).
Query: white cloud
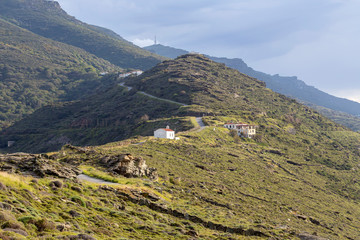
(328, 59)
(352, 94)
(143, 42)
(315, 40)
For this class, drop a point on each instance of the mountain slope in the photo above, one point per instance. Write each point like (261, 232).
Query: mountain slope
(47, 19)
(109, 115)
(296, 179)
(208, 88)
(35, 71)
(290, 86)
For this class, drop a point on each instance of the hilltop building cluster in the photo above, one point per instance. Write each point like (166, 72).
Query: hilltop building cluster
(242, 129)
(132, 73)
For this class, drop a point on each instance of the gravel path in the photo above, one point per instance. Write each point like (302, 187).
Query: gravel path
(200, 122)
(87, 178)
(198, 119)
(152, 96)
(123, 85)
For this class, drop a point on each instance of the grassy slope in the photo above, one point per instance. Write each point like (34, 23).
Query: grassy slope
(109, 115)
(46, 18)
(210, 89)
(333, 107)
(238, 183)
(348, 120)
(299, 174)
(46, 212)
(305, 189)
(35, 71)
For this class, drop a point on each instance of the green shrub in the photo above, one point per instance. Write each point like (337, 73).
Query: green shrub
(78, 200)
(27, 219)
(6, 216)
(45, 225)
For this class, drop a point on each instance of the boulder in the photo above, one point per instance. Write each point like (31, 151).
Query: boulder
(56, 184)
(129, 166)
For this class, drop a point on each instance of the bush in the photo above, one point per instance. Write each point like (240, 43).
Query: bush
(175, 181)
(44, 225)
(13, 225)
(27, 219)
(78, 200)
(56, 183)
(6, 216)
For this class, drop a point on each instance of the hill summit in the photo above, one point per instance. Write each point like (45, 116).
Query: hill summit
(191, 85)
(297, 178)
(343, 111)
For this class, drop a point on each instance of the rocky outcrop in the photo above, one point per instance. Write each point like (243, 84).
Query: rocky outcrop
(37, 165)
(128, 166)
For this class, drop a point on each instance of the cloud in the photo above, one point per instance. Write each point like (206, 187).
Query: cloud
(352, 94)
(327, 61)
(143, 42)
(315, 40)
(249, 27)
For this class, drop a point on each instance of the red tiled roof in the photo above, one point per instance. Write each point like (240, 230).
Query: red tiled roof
(236, 123)
(167, 129)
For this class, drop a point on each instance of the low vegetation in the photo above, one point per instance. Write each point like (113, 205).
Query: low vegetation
(340, 110)
(35, 71)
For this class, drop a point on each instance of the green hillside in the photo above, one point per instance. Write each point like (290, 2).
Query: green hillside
(340, 110)
(296, 179)
(109, 115)
(35, 71)
(47, 19)
(208, 88)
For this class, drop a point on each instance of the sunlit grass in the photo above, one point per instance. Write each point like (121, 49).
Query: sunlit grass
(132, 183)
(16, 181)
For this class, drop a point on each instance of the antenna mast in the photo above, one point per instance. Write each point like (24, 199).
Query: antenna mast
(155, 40)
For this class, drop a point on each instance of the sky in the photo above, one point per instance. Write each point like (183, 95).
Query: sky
(315, 40)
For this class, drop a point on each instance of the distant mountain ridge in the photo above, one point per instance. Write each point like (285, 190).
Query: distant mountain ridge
(46, 18)
(290, 86)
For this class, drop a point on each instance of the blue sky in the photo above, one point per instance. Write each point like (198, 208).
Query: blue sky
(316, 40)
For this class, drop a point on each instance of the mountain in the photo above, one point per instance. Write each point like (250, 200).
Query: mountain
(290, 86)
(46, 18)
(206, 87)
(296, 179)
(111, 114)
(166, 51)
(35, 71)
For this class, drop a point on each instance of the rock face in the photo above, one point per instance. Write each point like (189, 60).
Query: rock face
(37, 165)
(129, 166)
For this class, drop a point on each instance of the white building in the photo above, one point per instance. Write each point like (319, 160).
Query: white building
(132, 73)
(242, 129)
(11, 143)
(164, 133)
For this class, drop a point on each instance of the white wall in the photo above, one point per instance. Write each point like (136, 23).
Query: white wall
(161, 133)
